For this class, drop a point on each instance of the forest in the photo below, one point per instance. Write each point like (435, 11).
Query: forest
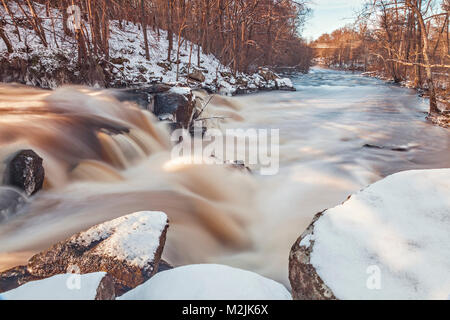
(241, 34)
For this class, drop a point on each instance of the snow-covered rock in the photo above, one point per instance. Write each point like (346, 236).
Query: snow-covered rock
(128, 248)
(284, 84)
(389, 241)
(208, 282)
(93, 286)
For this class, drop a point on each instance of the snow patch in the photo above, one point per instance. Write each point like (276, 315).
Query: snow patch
(389, 241)
(134, 238)
(208, 282)
(59, 287)
(181, 90)
(306, 241)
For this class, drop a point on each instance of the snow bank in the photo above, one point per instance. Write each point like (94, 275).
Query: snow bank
(389, 241)
(127, 63)
(134, 238)
(59, 287)
(208, 282)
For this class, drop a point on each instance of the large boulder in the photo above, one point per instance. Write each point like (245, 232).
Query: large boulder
(176, 105)
(267, 74)
(284, 84)
(389, 241)
(306, 283)
(143, 97)
(94, 286)
(25, 171)
(128, 248)
(197, 75)
(208, 282)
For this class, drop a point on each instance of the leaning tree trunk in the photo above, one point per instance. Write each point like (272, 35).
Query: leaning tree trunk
(429, 72)
(425, 50)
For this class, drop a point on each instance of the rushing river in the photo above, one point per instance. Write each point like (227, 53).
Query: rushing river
(339, 132)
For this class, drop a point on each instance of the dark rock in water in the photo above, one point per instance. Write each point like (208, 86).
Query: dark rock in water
(240, 91)
(140, 97)
(11, 200)
(239, 165)
(177, 103)
(372, 146)
(197, 131)
(111, 247)
(306, 283)
(400, 148)
(25, 171)
(392, 148)
(143, 97)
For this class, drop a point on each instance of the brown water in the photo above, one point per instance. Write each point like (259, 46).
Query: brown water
(104, 159)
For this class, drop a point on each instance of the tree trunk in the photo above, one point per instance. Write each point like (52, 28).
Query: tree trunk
(144, 30)
(5, 39)
(429, 72)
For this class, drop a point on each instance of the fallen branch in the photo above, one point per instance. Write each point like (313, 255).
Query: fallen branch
(210, 118)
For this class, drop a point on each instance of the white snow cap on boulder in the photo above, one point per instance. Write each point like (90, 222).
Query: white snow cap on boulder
(208, 282)
(389, 241)
(134, 238)
(59, 287)
(284, 83)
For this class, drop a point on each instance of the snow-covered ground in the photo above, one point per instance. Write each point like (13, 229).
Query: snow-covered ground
(127, 63)
(59, 287)
(208, 282)
(192, 282)
(389, 241)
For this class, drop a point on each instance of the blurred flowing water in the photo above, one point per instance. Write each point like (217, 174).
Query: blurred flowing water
(339, 132)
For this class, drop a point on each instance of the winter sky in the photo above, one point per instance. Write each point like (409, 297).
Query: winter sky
(329, 15)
